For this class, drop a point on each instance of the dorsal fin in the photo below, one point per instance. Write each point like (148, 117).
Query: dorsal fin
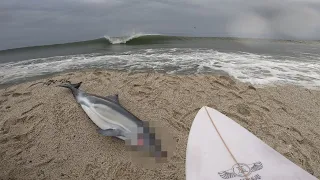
(113, 98)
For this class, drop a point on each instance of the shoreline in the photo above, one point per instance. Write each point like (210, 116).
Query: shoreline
(45, 134)
(215, 74)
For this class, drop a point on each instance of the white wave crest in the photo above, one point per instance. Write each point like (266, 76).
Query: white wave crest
(124, 39)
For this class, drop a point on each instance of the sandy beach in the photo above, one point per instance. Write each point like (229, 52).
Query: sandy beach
(44, 133)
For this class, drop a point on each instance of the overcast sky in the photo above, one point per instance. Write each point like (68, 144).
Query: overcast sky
(37, 22)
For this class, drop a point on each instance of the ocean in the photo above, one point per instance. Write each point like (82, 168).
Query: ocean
(256, 61)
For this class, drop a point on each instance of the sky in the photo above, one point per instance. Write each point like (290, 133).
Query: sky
(38, 22)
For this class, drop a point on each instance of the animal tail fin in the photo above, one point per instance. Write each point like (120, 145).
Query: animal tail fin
(71, 86)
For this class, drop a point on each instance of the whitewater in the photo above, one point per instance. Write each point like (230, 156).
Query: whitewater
(297, 65)
(125, 39)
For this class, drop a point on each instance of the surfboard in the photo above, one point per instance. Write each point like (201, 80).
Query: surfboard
(219, 148)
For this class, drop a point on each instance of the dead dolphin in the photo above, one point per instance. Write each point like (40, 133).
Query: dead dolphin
(114, 120)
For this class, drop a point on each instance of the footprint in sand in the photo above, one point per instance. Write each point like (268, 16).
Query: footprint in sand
(3, 100)
(21, 94)
(31, 109)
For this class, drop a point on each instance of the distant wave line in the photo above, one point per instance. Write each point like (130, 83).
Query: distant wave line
(141, 39)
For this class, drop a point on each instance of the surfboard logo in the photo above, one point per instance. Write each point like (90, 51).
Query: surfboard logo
(241, 170)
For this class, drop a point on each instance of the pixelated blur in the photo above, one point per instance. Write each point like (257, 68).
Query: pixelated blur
(151, 145)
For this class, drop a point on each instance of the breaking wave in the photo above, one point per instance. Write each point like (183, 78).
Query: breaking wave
(140, 39)
(136, 38)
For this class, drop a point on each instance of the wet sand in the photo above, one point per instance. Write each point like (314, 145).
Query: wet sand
(44, 133)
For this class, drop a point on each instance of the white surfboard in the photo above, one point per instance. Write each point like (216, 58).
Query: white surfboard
(219, 148)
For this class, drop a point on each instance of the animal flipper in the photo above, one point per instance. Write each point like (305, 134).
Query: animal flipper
(71, 86)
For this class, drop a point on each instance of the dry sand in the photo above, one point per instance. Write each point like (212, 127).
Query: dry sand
(44, 134)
